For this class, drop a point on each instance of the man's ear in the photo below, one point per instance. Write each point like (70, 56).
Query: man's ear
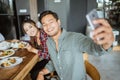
(59, 21)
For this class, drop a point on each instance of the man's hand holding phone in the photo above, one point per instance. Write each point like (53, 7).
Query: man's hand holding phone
(92, 15)
(102, 32)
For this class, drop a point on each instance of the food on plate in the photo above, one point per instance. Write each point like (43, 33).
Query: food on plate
(5, 64)
(6, 52)
(22, 45)
(18, 44)
(12, 60)
(8, 62)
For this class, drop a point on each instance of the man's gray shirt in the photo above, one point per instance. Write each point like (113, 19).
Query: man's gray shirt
(68, 60)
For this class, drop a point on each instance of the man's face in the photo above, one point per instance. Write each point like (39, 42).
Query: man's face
(50, 25)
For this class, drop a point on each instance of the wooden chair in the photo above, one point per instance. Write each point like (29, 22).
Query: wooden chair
(91, 71)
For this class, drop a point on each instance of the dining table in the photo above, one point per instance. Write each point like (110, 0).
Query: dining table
(20, 71)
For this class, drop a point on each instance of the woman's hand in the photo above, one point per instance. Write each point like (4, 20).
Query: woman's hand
(42, 73)
(31, 49)
(40, 76)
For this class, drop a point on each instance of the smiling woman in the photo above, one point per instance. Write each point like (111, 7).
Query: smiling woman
(37, 45)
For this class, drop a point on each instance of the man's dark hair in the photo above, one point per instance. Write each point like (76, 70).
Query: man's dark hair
(47, 12)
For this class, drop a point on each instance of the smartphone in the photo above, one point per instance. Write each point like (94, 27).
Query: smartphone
(92, 15)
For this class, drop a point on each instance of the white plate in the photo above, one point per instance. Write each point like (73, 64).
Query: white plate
(6, 53)
(14, 44)
(4, 45)
(20, 44)
(10, 61)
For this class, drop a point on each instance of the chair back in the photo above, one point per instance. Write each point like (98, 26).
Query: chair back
(91, 70)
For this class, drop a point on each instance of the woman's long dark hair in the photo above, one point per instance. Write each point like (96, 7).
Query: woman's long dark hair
(32, 38)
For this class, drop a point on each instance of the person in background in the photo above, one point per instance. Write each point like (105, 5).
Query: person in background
(66, 48)
(38, 22)
(1, 37)
(37, 45)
